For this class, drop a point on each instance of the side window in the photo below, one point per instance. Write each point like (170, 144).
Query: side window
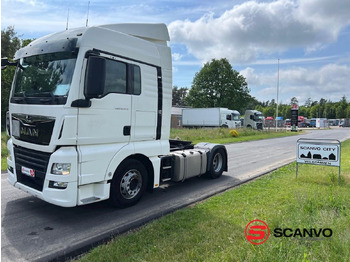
(228, 117)
(119, 77)
(137, 80)
(115, 81)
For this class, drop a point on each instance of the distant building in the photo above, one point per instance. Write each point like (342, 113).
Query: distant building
(176, 117)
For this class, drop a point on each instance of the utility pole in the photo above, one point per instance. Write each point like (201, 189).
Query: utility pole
(278, 82)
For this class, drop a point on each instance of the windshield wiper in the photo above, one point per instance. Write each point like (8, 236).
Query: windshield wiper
(23, 97)
(50, 97)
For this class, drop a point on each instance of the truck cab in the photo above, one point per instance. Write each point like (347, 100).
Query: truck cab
(236, 118)
(230, 118)
(89, 116)
(253, 119)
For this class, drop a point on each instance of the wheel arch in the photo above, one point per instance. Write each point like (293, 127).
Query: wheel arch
(211, 148)
(210, 157)
(147, 164)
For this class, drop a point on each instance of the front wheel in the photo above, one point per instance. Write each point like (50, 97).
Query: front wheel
(128, 184)
(217, 164)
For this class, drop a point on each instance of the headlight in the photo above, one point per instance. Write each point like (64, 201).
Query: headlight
(61, 169)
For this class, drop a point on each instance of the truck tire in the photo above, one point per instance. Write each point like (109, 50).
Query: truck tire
(128, 184)
(217, 164)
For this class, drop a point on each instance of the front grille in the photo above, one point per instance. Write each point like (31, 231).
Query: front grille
(31, 160)
(259, 126)
(32, 128)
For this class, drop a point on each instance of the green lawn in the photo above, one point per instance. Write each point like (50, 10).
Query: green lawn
(4, 139)
(222, 135)
(214, 229)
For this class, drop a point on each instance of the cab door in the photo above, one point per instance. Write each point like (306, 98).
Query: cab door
(144, 103)
(107, 120)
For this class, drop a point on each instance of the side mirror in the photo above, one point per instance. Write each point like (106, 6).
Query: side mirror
(5, 62)
(95, 77)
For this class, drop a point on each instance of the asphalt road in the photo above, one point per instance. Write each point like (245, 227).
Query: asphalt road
(33, 230)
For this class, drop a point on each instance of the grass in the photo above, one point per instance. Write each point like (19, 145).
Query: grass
(214, 229)
(223, 136)
(4, 139)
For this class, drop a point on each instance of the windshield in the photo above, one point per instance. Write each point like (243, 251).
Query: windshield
(236, 117)
(44, 78)
(258, 117)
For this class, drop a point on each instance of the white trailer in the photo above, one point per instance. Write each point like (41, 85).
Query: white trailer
(210, 117)
(89, 118)
(321, 122)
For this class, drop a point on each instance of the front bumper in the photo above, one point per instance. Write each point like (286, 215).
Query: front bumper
(39, 185)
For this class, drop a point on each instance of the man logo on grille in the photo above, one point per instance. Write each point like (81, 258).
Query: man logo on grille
(257, 232)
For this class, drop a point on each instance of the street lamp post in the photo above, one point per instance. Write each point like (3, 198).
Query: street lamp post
(278, 80)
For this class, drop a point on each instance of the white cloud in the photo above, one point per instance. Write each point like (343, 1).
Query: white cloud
(176, 56)
(250, 29)
(329, 82)
(251, 77)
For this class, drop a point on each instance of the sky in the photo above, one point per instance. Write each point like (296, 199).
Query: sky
(299, 47)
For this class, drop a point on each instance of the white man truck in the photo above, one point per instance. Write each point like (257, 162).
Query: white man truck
(253, 119)
(89, 118)
(210, 117)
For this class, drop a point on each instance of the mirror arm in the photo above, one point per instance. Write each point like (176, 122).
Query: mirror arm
(81, 103)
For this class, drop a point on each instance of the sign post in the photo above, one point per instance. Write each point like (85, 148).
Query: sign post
(294, 119)
(325, 152)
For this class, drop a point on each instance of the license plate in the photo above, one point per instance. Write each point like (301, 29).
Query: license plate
(28, 171)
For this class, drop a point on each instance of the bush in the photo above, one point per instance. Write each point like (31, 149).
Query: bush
(234, 133)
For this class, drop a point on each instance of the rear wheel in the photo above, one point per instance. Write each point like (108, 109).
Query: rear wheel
(129, 183)
(217, 164)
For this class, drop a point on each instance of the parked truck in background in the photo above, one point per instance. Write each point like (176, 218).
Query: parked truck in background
(321, 122)
(312, 122)
(89, 118)
(210, 117)
(345, 122)
(303, 121)
(253, 119)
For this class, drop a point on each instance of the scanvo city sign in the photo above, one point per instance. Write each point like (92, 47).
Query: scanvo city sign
(317, 152)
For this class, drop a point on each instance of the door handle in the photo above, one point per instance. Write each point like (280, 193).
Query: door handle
(126, 130)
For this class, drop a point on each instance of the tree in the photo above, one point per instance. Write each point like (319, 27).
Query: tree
(340, 112)
(294, 100)
(179, 95)
(308, 102)
(218, 85)
(269, 111)
(348, 111)
(10, 43)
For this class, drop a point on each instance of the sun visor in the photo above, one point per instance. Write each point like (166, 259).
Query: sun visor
(47, 46)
